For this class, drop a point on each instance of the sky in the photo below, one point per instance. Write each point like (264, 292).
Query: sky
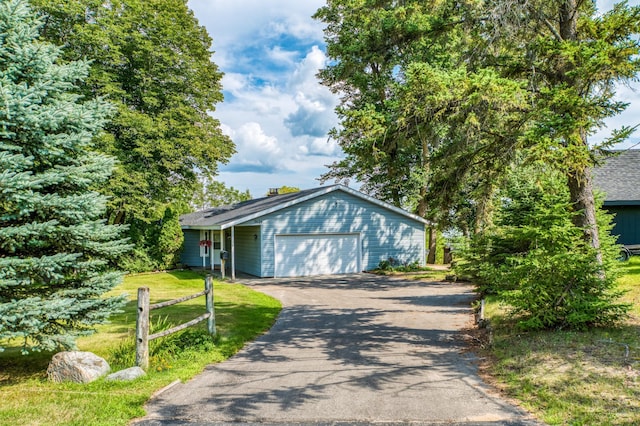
(275, 110)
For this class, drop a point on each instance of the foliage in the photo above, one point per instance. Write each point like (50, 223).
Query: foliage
(241, 315)
(287, 189)
(538, 262)
(371, 44)
(152, 60)
(479, 115)
(214, 194)
(439, 98)
(54, 245)
(394, 265)
(170, 240)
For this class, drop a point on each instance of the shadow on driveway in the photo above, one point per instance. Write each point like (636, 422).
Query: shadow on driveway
(347, 350)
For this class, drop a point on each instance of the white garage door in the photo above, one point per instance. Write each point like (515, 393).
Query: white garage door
(303, 255)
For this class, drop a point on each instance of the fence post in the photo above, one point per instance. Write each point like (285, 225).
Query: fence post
(142, 329)
(211, 322)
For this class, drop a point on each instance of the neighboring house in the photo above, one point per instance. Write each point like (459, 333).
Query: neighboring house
(619, 178)
(326, 230)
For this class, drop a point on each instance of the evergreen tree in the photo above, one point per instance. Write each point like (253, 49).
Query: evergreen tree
(54, 246)
(537, 261)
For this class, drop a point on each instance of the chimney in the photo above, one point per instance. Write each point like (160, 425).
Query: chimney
(272, 192)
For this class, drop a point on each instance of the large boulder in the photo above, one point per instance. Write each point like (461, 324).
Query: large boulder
(76, 366)
(126, 374)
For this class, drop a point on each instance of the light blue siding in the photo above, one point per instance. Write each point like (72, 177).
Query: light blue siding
(191, 249)
(247, 249)
(383, 233)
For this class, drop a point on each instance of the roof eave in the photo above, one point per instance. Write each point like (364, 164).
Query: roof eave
(327, 190)
(273, 209)
(215, 227)
(613, 203)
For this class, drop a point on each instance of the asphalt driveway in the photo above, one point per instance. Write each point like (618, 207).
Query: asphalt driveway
(356, 349)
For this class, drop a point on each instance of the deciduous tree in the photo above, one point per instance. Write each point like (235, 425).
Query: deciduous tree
(215, 193)
(152, 60)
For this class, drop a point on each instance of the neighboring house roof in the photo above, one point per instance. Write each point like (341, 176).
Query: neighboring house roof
(235, 214)
(619, 177)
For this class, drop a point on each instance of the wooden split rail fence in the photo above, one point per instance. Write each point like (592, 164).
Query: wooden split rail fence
(144, 308)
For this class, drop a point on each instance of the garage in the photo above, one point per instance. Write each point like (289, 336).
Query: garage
(323, 254)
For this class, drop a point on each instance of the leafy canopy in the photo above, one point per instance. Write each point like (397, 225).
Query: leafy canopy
(152, 60)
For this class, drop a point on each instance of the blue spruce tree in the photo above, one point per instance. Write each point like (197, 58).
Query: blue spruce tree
(55, 248)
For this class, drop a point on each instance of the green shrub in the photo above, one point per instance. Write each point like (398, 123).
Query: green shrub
(170, 240)
(138, 260)
(394, 265)
(538, 262)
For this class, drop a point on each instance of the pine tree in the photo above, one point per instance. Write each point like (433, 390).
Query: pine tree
(55, 247)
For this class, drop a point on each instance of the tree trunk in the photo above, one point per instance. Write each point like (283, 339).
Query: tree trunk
(484, 209)
(581, 193)
(433, 239)
(579, 177)
(423, 204)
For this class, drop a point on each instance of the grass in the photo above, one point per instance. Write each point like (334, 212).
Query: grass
(415, 272)
(567, 377)
(241, 315)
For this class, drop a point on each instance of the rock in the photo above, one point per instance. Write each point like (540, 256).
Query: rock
(127, 374)
(76, 366)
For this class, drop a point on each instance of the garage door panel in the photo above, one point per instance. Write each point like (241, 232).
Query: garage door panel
(303, 255)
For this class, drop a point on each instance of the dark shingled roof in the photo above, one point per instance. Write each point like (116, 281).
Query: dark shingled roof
(230, 215)
(619, 177)
(234, 212)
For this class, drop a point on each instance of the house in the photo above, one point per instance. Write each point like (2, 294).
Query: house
(325, 230)
(619, 178)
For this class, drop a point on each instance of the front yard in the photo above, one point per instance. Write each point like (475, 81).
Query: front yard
(562, 377)
(241, 315)
(567, 377)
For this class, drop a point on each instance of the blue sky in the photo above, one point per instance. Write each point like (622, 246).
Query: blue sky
(275, 110)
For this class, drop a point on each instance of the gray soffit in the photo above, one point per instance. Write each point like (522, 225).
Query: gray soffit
(618, 176)
(235, 214)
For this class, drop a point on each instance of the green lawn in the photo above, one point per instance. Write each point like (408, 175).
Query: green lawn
(572, 378)
(241, 315)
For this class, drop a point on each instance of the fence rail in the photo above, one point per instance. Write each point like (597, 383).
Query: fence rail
(144, 309)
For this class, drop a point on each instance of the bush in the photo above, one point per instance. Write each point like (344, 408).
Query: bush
(394, 265)
(170, 240)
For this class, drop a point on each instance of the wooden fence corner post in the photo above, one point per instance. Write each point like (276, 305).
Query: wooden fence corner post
(142, 329)
(211, 323)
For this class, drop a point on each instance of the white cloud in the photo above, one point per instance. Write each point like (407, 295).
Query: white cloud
(278, 54)
(320, 146)
(260, 152)
(241, 21)
(314, 115)
(275, 109)
(235, 83)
